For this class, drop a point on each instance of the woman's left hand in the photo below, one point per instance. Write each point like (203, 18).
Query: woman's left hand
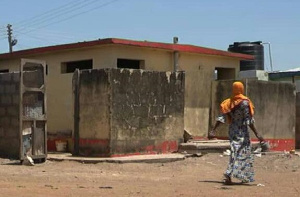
(260, 138)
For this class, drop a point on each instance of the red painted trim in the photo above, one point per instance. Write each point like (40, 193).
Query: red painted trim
(117, 41)
(280, 144)
(275, 144)
(102, 142)
(164, 147)
(51, 145)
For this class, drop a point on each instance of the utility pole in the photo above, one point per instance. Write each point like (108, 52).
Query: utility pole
(11, 42)
(9, 33)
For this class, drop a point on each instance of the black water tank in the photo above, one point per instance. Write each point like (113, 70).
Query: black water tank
(251, 48)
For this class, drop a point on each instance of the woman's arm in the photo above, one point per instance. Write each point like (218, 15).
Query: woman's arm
(253, 128)
(212, 133)
(220, 119)
(250, 120)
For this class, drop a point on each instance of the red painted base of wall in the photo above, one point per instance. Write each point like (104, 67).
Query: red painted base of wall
(280, 144)
(99, 142)
(164, 147)
(51, 145)
(275, 144)
(172, 146)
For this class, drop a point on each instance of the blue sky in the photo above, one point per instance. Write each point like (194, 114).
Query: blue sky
(207, 23)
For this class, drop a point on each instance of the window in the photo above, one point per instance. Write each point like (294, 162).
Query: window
(129, 63)
(70, 67)
(4, 70)
(224, 73)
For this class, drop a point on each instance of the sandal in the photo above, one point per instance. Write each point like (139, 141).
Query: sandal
(227, 180)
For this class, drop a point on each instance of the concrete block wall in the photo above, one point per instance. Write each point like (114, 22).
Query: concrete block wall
(9, 115)
(275, 111)
(125, 112)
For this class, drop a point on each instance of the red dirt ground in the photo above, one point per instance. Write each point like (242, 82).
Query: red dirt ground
(276, 175)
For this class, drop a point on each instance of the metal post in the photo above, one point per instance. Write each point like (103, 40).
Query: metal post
(271, 63)
(76, 83)
(176, 55)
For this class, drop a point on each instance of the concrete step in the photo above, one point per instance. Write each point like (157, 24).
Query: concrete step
(206, 146)
(155, 158)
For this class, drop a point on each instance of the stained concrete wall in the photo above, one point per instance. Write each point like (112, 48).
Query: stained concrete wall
(9, 115)
(298, 120)
(147, 111)
(94, 112)
(130, 111)
(274, 108)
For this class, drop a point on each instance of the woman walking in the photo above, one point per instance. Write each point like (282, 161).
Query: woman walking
(238, 111)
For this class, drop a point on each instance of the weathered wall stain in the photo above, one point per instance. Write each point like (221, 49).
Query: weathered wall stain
(135, 111)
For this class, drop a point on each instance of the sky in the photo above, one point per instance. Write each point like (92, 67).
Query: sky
(207, 23)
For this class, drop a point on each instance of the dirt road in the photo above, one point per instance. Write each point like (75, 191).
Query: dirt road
(276, 175)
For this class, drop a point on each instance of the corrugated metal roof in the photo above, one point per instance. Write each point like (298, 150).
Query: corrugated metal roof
(285, 74)
(293, 70)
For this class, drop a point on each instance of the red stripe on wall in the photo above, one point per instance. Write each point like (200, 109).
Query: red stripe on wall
(275, 144)
(103, 142)
(280, 144)
(164, 147)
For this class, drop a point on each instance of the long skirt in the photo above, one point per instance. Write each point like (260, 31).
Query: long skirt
(241, 160)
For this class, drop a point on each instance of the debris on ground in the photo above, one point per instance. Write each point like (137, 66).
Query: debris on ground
(227, 152)
(193, 155)
(265, 146)
(260, 185)
(257, 152)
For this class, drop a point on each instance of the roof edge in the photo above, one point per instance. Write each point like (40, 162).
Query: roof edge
(157, 45)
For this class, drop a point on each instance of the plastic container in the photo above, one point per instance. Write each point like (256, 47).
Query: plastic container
(61, 146)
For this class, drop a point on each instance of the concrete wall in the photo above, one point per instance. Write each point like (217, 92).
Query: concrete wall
(94, 113)
(298, 120)
(9, 115)
(274, 109)
(147, 111)
(296, 81)
(130, 111)
(199, 73)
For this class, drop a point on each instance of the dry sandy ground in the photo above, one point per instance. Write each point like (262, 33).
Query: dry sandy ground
(276, 175)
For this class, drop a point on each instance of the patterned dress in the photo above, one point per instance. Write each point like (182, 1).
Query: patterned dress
(241, 160)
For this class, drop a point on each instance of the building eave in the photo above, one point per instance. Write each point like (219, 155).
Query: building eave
(117, 41)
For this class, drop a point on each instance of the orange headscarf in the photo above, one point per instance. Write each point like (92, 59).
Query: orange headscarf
(237, 97)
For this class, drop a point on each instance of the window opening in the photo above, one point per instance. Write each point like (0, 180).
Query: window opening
(70, 67)
(131, 64)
